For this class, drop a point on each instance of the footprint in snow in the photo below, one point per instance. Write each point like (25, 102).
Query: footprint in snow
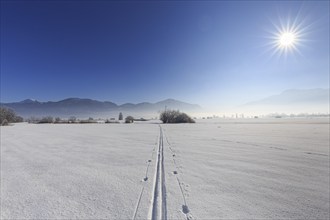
(185, 209)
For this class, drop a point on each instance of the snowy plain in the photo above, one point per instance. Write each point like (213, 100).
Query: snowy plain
(214, 169)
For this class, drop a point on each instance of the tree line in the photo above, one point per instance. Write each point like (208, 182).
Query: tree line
(168, 116)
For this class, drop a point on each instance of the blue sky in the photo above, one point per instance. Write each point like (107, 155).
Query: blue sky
(206, 52)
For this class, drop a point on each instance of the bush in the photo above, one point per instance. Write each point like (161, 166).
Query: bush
(72, 119)
(8, 116)
(141, 119)
(4, 122)
(88, 121)
(33, 120)
(18, 119)
(129, 119)
(46, 120)
(111, 121)
(172, 116)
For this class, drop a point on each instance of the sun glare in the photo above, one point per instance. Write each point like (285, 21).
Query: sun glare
(287, 36)
(287, 39)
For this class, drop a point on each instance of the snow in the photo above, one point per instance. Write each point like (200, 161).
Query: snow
(214, 169)
(73, 171)
(259, 170)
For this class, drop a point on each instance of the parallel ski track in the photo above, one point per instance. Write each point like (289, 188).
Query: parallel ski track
(158, 209)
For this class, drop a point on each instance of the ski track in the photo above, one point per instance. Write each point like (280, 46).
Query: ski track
(158, 205)
(158, 209)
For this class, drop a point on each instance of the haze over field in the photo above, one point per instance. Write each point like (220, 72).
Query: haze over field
(291, 101)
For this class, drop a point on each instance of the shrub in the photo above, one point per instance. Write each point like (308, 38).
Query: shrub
(129, 119)
(141, 119)
(88, 121)
(172, 116)
(46, 120)
(18, 119)
(33, 120)
(8, 116)
(72, 119)
(111, 121)
(4, 122)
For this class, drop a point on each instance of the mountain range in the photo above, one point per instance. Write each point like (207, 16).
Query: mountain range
(289, 101)
(92, 108)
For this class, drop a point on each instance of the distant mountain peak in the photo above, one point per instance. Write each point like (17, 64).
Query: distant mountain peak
(74, 99)
(170, 101)
(27, 101)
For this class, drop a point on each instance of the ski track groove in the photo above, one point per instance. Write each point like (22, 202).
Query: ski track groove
(158, 208)
(158, 205)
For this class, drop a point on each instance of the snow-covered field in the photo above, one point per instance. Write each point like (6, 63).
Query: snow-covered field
(214, 169)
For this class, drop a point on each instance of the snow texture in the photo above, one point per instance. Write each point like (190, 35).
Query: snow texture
(214, 169)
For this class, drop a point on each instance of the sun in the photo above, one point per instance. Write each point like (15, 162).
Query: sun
(287, 39)
(287, 36)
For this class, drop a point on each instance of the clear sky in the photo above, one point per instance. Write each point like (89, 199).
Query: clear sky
(213, 53)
